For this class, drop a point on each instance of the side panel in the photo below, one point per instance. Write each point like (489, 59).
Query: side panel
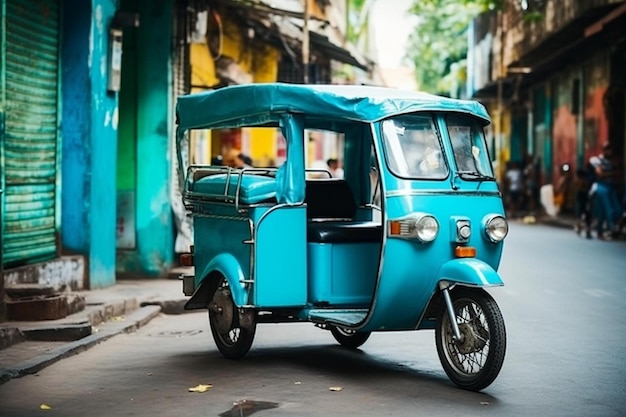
(336, 279)
(218, 235)
(280, 259)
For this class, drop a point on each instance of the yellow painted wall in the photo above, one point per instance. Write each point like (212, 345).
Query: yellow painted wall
(263, 141)
(202, 66)
(256, 58)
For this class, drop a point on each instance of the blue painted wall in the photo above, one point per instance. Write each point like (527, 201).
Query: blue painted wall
(89, 133)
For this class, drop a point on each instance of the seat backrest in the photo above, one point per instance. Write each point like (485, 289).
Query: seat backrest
(329, 199)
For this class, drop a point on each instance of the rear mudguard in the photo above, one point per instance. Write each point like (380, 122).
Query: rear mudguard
(225, 265)
(468, 271)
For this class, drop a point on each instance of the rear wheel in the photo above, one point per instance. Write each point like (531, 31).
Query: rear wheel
(233, 332)
(474, 362)
(349, 338)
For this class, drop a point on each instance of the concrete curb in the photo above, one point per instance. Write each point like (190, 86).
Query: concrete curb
(128, 324)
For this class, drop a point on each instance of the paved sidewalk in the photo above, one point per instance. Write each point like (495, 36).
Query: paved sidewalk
(122, 308)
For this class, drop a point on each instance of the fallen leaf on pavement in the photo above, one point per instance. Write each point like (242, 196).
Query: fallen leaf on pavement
(45, 407)
(335, 388)
(201, 388)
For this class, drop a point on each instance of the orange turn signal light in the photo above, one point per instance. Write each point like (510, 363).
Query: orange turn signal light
(186, 259)
(465, 251)
(394, 228)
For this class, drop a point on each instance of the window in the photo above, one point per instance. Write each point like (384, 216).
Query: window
(412, 147)
(469, 146)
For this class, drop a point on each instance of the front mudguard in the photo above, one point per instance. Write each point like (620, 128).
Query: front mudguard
(225, 265)
(468, 271)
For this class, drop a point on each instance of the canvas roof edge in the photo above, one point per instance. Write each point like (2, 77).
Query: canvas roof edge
(265, 102)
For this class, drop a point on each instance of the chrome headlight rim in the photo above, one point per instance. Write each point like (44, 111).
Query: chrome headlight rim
(495, 232)
(426, 228)
(420, 227)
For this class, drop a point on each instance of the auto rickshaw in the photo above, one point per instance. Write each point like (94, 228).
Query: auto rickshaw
(409, 239)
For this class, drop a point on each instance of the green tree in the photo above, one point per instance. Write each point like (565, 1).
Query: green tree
(358, 20)
(438, 46)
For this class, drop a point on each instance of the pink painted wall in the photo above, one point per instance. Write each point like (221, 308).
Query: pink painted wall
(564, 140)
(596, 129)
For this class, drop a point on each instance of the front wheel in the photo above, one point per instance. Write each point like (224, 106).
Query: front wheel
(233, 332)
(349, 338)
(473, 362)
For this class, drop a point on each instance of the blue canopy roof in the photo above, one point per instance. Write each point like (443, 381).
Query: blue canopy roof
(254, 104)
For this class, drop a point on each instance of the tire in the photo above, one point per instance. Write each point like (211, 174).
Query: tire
(349, 338)
(474, 363)
(233, 339)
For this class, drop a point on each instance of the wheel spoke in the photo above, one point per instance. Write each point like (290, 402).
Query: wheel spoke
(474, 361)
(471, 362)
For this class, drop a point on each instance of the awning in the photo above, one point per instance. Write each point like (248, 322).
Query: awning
(284, 29)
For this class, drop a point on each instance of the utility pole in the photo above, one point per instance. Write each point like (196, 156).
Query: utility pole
(305, 43)
(500, 105)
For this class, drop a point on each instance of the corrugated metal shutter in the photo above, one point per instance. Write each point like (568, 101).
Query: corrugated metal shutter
(31, 131)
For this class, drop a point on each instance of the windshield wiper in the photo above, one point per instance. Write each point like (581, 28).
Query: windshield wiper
(473, 175)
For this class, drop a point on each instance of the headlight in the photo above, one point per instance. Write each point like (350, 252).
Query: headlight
(496, 228)
(421, 226)
(426, 228)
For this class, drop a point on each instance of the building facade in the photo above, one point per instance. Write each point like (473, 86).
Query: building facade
(552, 73)
(87, 122)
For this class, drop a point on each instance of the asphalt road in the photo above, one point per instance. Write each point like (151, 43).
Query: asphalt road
(563, 303)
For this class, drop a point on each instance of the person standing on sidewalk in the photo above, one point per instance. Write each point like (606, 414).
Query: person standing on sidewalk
(606, 200)
(582, 187)
(514, 183)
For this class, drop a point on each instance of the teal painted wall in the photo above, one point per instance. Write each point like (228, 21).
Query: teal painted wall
(89, 140)
(152, 121)
(104, 117)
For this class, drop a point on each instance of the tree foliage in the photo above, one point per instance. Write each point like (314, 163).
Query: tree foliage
(438, 46)
(358, 15)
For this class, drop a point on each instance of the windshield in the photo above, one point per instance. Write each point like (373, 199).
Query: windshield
(412, 147)
(469, 147)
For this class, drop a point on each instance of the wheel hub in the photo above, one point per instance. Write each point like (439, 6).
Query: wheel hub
(471, 340)
(222, 310)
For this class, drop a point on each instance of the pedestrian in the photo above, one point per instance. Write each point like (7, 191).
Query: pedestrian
(243, 161)
(217, 160)
(606, 201)
(531, 184)
(333, 167)
(582, 188)
(564, 192)
(514, 182)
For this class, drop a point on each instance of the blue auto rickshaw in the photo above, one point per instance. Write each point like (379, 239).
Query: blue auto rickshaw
(409, 239)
